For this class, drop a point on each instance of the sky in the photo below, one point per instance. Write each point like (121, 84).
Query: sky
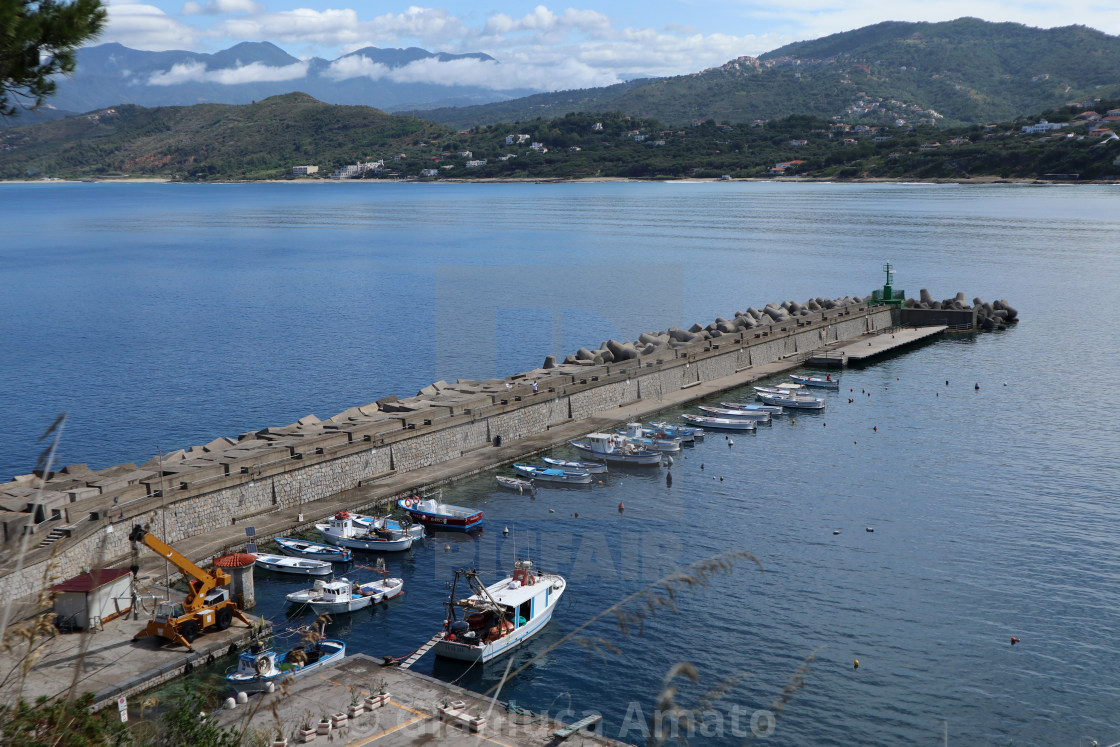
(544, 47)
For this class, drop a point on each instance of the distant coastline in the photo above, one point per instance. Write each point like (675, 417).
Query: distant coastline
(588, 180)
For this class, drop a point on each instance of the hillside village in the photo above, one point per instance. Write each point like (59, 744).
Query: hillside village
(501, 147)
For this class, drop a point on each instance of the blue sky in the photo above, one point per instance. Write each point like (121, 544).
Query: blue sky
(547, 47)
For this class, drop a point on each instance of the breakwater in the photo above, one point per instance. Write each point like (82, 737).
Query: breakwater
(84, 514)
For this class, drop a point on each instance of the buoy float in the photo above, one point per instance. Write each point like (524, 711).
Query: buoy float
(875, 428)
(871, 529)
(793, 421)
(721, 479)
(668, 478)
(575, 515)
(701, 466)
(505, 531)
(621, 507)
(552, 510)
(447, 548)
(835, 531)
(946, 382)
(977, 387)
(1014, 640)
(730, 442)
(855, 664)
(825, 424)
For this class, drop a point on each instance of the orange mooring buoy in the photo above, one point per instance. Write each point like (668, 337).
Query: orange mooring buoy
(621, 506)
(1014, 640)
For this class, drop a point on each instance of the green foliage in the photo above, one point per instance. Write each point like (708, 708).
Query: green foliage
(60, 723)
(182, 725)
(38, 39)
(266, 139)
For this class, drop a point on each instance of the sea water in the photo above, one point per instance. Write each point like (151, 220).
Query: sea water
(163, 316)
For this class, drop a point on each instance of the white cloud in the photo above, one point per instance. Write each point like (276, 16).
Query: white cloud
(143, 26)
(255, 72)
(490, 74)
(217, 7)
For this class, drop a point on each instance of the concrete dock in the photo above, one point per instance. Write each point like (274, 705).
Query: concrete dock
(869, 347)
(412, 714)
(109, 663)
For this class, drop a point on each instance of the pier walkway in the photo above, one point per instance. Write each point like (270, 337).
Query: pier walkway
(864, 349)
(412, 715)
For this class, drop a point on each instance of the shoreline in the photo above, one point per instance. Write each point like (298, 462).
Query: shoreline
(964, 181)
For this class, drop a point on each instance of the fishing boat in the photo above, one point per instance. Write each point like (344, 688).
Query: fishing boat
(723, 424)
(731, 412)
(772, 409)
(377, 591)
(342, 530)
(434, 514)
(636, 434)
(515, 483)
(789, 399)
(313, 550)
(500, 617)
(595, 468)
(343, 596)
(612, 448)
(259, 667)
(298, 566)
(685, 433)
(553, 474)
(816, 381)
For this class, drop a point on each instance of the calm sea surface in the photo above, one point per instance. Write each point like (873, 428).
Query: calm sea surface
(162, 316)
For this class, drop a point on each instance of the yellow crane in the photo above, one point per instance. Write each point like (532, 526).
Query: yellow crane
(206, 603)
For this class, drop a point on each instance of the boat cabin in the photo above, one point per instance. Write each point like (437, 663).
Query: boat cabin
(337, 591)
(257, 661)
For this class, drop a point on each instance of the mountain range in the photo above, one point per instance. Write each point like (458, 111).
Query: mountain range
(112, 74)
(966, 71)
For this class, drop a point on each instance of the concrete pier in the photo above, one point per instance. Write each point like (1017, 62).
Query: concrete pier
(869, 347)
(420, 710)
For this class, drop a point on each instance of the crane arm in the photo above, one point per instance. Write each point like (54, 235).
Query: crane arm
(207, 580)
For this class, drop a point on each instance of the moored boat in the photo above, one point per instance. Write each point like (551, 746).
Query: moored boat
(435, 514)
(816, 381)
(798, 401)
(618, 449)
(636, 434)
(553, 474)
(723, 424)
(259, 667)
(772, 409)
(297, 566)
(515, 483)
(342, 530)
(685, 433)
(594, 468)
(731, 412)
(313, 550)
(499, 617)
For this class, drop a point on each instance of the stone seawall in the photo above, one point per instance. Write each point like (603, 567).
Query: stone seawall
(314, 463)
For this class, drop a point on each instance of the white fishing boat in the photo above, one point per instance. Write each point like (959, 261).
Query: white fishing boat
(500, 617)
(772, 409)
(298, 566)
(595, 468)
(313, 550)
(614, 448)
(815, 381)
(259, 667)
(730, 412)
(515, 483)
(789, 399)
(342, 530)
(636, 434)
(552, 474)
(381, 589)
(342, 596)
(723, 424)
